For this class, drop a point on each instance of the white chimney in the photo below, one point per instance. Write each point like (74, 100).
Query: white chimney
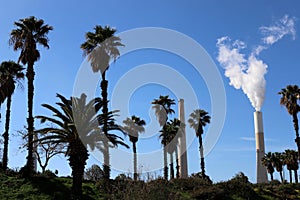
(261, 172)
(182, 151)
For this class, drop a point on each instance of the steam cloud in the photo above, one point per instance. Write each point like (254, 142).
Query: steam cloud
(247, 72)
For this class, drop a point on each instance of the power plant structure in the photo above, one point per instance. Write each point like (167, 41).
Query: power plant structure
(261, 172)
(182, 151)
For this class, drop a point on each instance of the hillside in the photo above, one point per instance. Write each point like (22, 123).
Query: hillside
(44, 187)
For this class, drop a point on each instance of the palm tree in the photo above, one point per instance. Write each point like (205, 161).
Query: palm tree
(170, 136)
(289, 98)
(278, 162)
(76, 125)
(28, 34)
(7, 87)
(11, 72)
(101, 46)
(198, 119)
(267, 161)
(163, 108)
(291, 161)
(134, 126)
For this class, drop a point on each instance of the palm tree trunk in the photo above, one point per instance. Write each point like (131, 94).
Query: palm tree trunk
(106, 167)
(30, 120)
(296, 176)
(177, 163)
(165, 164)
(135, 175)
(171, 166)
(104, 85)
(271, 174)
(77, 162)
(202, 164)
(281, 176)
(296, 127)
(291, 177)
(6, 133)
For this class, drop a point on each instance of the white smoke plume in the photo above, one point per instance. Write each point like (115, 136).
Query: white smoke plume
(247, 72)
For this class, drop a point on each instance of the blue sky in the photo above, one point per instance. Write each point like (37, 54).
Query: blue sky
(203, 21)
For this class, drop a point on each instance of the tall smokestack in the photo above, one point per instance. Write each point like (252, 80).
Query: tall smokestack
(261, 172)
(182, 151)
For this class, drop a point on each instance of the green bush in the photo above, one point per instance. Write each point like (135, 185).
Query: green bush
(209, 193)
(49, 173)
(239, 186)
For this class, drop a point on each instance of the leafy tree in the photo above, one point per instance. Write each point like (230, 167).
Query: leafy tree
(11, 72)
(198, 119)
(101, 46)
(76, 125)
(267, 161)
(30, 32)
(134, 126)
(163, 108)
(94, 173)
(290, 97)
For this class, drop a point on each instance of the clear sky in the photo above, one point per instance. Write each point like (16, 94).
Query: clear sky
(203, 21)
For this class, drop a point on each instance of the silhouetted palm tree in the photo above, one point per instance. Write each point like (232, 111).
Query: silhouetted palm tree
(11, 72)
(198, 119)
(278, 162)
(28, 34)
(291, 161)
(134, 126)
(170, 133)
(101, 46)
(77, 125)
(290, 97)
(267, 161)
(163, 108)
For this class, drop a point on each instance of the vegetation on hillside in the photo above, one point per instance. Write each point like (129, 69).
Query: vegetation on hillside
(47, 186)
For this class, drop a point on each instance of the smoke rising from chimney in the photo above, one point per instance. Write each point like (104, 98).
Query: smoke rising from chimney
(247, 72)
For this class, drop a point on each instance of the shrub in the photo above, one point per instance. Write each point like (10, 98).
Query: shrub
(94, 173)
(209, 193)
(49, 173)
(239, 186)
(189, 183)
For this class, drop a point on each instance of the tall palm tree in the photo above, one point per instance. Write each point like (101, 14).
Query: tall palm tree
(11, 72)
(267, 161)
(29, 33)
(290, 97)
(101, 46)
(170, 134)
(291, 161)
(134, 126)
(77, 124)
(278, 162)
(162, 107)
(198, 119)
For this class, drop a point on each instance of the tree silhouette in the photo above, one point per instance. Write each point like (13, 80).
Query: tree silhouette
(28, 34)
(133, 126)
(101, 46)
(290, 97)
(11, 72)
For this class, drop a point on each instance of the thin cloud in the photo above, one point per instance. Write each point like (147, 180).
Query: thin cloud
(253, 139)
(284, 26)
(247, 138)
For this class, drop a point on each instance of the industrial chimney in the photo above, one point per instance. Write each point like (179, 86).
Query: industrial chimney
(182, 151)
(261, 172)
